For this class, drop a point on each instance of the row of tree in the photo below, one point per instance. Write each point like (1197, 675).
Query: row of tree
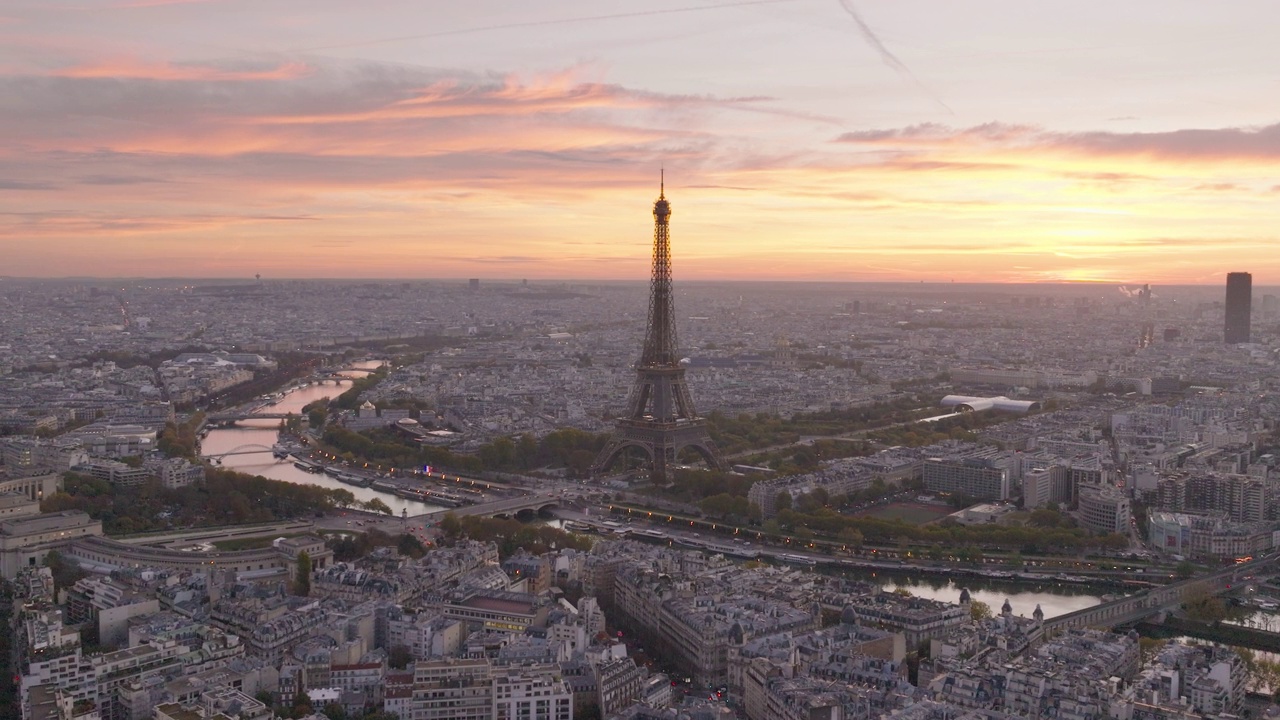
(747, 431)
(223, 497)
(289, 365)
(391, 449)
(179, 440)
(350, 399)
(353, 547)
(510, 535)
(574, 449)
(1028, 539)
(10, 708)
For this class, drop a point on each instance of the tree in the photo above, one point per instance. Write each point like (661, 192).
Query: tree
(1045, 518)
(335, 711)
(1202, 605)
(851, 537)
(376, 505)
(410, 546)
(301, 704)
(399, 657)
(579, 463)
(1185, 569)
(451, 526)
(302, 584)
(66, 571)
(979, 610)
(783, 501)
(972, 554)
(1149, 648)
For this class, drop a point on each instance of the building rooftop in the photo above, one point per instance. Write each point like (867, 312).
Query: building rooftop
(48, 522)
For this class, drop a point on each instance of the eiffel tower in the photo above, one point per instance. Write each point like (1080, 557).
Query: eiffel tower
(660, 419)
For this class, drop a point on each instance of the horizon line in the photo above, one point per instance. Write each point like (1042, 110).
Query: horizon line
(584, 281)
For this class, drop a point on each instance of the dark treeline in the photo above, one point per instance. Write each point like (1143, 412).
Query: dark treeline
(510, 535)
(353, 547)
(569, 448)
(224, 497)
(179, 440)
(350, 398)
(1030, 538)
(10, 708)
(289, 365)
(747, 431)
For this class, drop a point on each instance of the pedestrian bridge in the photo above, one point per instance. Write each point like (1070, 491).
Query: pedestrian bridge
(231, 416)
(250, 449)
(1131, 609)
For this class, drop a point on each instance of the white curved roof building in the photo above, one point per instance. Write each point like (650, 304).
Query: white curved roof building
(965, 403)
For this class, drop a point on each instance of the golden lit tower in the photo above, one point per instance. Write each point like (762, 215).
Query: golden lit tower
(661, 420)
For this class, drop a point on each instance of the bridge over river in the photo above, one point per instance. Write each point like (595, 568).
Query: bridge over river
(539, 502)
(1139, 606)
(230, 416)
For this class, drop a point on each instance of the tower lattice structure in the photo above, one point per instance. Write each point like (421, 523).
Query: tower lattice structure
(661, 419)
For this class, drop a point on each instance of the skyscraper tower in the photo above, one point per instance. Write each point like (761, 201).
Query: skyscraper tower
(661, 420)
(1239, 306)
(1147, 335)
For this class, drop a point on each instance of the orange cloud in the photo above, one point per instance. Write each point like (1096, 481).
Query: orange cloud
(452, 98)
(134, 68)
(413, 172)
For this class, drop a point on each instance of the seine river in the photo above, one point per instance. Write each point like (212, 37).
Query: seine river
(263, 432)
(1053, 599)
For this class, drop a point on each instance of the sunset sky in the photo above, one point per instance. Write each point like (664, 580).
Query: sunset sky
(974, 140)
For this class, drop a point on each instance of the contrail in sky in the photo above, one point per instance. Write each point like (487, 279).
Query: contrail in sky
(888, 57)
(561, 21)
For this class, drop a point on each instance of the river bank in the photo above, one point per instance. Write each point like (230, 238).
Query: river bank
(252, 440)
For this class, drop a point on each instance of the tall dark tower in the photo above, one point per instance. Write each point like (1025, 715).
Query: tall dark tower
(1148, 333)
(660, 419)
(1239, 306)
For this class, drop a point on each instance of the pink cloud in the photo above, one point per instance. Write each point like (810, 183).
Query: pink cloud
(134, 68)
(158, 3)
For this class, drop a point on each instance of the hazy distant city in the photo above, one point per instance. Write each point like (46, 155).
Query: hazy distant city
(931, 501)
(923, 360)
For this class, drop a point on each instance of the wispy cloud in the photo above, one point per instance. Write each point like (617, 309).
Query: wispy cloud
(135, 68)
(437, 171)
(23, 185)
(886, 55)
(1212, 144)
(131, 4)
(544, 23)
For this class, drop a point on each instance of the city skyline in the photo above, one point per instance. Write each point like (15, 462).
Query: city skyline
(803, 140)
